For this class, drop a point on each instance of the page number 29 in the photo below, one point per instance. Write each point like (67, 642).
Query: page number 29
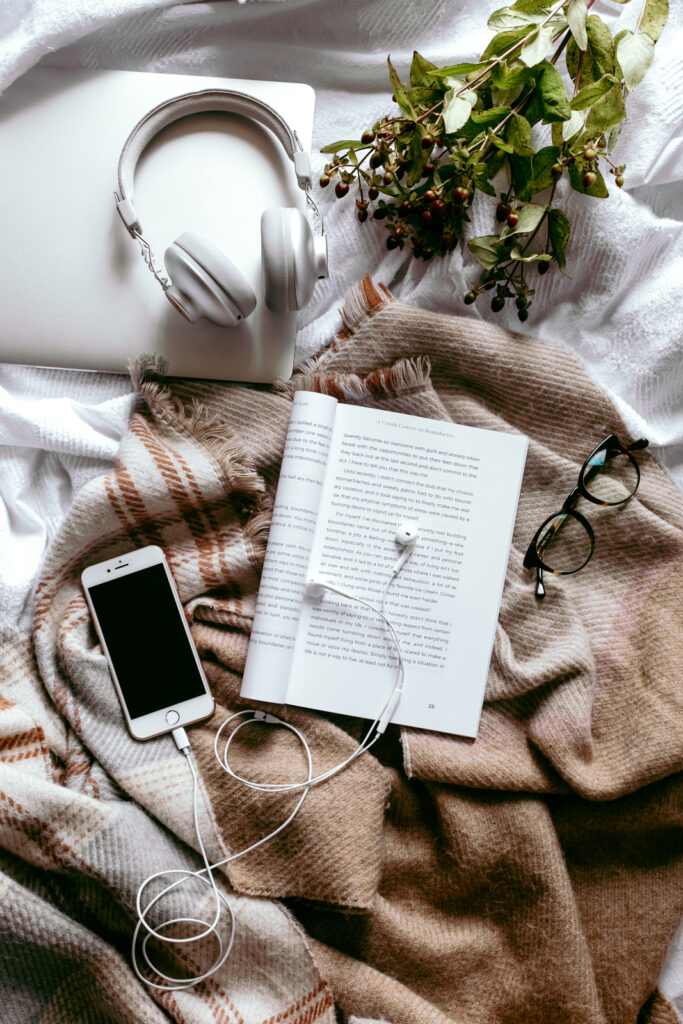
(431, 706)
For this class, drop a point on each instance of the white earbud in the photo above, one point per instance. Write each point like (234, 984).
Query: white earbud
(315, 586)
(406, 537)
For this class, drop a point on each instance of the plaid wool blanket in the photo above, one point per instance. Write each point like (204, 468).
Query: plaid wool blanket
(533, 875)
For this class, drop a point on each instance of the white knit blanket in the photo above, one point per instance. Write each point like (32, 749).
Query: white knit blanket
(619, 308)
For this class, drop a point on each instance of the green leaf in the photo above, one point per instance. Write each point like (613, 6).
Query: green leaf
(400, 91)
(335, 147)
(425, 98)
(634, 54)
(530, 5)
(607, 111)
(499, 143)
(535, 257)
(487, 249)
(541, 173)
(418, 157)
(576, 12)
(599, 56)
(558, 233)
(457, 107)
(489, 117)
(654, 18)
(504, 77)
(577, 169)
(536, 49)
(574, 125)
(530, 216)
(502, 42)
(614, 137)
(521, 175)
(553, 94)
(482, 182)
(419, 70)
(518, 134)
(505, 18)
(459, 69)
(586, 96)
(493, 164)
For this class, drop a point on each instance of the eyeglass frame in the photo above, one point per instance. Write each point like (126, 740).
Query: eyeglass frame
(532, 559)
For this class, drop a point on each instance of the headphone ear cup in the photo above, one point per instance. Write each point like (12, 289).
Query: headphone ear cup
(288, 258)
(205, 283)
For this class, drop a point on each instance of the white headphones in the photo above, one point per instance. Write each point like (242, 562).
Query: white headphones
(202, 281)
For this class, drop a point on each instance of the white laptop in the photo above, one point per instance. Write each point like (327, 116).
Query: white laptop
(75, 290)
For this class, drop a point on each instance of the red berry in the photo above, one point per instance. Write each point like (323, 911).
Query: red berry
(461, 193)
(362, 215)
(428, 169)
(392, 242)
(376, 159)
(340, 189)
(589, 178)
(426, 218)
(502, 212)
(589, 153)
(556, 170)
(512, 219)
(404, 207)
(430, 195)
(438, 206)
(373, 192)
(448, 239)
(367, 136)
(427, 142)
(324, 180)
(619, 180)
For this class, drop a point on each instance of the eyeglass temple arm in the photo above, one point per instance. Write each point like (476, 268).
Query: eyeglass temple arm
(540, 586)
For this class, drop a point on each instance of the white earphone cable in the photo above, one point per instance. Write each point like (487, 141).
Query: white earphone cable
(169, 982)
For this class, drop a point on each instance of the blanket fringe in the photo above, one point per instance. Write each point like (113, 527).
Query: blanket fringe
(246, 488)
(385, 381)
(361, 301)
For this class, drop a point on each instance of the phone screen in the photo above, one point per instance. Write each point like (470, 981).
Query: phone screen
(147, 643)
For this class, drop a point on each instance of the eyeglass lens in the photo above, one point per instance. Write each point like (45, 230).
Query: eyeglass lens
(564, 545)
(610, 476)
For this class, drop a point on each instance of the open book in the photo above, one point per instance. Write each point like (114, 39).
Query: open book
(349, 476)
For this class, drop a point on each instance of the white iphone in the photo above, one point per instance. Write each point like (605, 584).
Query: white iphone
(147, 642)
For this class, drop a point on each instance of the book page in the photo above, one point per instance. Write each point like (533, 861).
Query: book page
(290, 540)
(460, 485)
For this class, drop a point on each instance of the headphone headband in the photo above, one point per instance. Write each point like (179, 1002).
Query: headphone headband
(166, 113)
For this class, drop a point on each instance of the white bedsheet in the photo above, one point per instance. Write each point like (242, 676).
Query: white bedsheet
(619, 308)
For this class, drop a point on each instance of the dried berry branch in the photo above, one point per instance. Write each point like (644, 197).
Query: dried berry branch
(464, 128)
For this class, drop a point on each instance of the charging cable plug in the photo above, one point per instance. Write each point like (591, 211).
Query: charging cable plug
(264, 716)
(180, 737)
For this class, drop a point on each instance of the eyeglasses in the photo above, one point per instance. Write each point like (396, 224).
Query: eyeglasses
(565, 542)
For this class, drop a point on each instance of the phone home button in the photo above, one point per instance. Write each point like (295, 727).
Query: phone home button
(172, 717)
